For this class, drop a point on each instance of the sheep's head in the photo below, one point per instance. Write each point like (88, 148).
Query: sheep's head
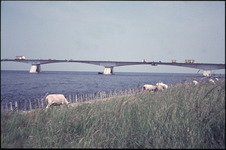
(68, 105)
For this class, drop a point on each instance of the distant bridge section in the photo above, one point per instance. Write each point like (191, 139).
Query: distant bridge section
(109, 65)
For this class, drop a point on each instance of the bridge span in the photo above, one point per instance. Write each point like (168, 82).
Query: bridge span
(109, 65)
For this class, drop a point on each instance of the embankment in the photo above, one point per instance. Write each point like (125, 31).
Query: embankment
(183, 116)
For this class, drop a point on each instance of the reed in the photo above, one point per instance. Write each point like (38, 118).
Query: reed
(183, 116)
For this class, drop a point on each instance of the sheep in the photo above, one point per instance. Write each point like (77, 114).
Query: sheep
(149, 87)
(162, 84)
(210, 80)
(195, 82)
(159, 87)
(57, 99)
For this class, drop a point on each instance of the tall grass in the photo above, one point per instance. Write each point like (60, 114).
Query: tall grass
(183, 116)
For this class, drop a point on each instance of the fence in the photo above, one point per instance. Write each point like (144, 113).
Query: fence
(26, 105)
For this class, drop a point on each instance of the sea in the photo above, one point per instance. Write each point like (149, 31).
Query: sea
(22, 85)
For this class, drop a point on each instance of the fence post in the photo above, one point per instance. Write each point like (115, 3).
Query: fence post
(42, 103)
(6, 106)
(11, 106)
(30, 104)
(19, 107)
(16, 106)
(76, 98)
(38, 104)
(34, 101)
(25, 105)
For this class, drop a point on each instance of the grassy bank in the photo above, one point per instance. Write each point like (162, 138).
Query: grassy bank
(183, 116)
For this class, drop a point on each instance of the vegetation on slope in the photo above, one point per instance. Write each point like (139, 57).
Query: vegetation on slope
(183, 116)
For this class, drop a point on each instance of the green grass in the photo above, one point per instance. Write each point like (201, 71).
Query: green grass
(183, 116)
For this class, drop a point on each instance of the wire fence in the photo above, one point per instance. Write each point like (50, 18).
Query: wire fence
(28, 105)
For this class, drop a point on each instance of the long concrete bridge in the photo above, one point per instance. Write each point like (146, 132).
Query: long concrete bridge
(109, 65)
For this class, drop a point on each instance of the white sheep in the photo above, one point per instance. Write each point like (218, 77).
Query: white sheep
(149, 87)
(195, 82)
(162, 84)
(159, 87)
(57, 99)
(210, 80)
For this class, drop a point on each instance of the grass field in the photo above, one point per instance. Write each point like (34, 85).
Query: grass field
(183, 116)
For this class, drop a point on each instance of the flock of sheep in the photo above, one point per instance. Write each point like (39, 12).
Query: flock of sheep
(161, 86)
(158, 87)
(59, 99)
(209, 80)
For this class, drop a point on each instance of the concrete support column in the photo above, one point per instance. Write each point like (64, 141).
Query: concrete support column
(207, 73)
(108, 70)
(35, 68)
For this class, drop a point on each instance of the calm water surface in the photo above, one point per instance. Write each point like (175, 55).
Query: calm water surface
(20, 85)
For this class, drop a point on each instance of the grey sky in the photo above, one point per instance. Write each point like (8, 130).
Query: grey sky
(115, 31)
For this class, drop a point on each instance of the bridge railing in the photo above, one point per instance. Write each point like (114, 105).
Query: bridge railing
(28, 105)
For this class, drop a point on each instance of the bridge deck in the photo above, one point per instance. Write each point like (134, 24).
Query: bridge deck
(205, 66)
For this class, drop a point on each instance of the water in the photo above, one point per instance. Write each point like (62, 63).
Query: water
(21, 85)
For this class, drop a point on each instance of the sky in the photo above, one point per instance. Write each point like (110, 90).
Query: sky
(114, 31)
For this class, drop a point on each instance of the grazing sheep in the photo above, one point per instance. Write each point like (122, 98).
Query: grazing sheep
(162, 84)
(56, 99)
(195, 82)
(149, 87)
(159, 87)
(216, 79)
(210, 80)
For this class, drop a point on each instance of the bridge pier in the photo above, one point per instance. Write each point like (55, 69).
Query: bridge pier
(207, 73)
(108, 70)
(35, 68)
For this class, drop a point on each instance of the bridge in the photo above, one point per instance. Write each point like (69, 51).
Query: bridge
(109, 65)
